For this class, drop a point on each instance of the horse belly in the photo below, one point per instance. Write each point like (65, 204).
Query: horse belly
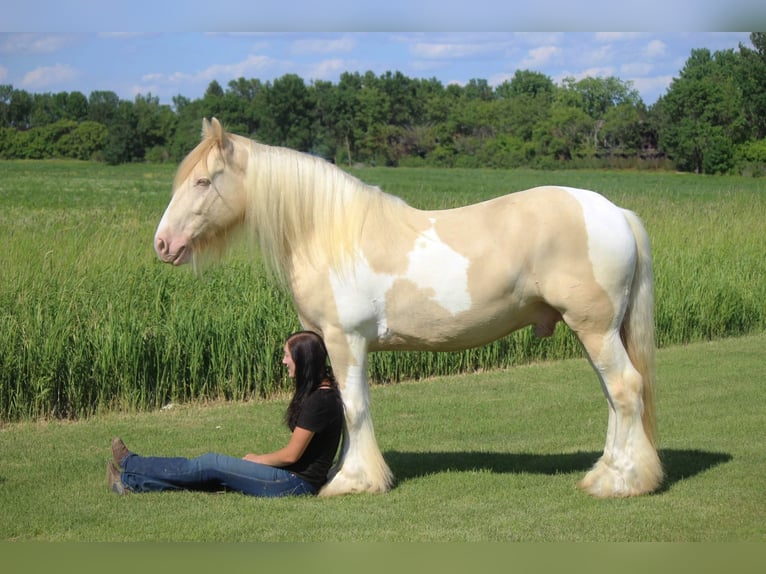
(413, 321)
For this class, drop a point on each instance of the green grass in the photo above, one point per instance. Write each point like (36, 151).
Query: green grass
(483, 457)
(92, 322)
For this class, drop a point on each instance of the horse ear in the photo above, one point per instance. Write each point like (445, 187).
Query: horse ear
(217, 131)
(205, 129)
(213, 129)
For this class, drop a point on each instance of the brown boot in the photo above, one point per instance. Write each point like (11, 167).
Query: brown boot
(119, 451)
(114, 480)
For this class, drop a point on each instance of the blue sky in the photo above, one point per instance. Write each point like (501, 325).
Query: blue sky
(44, 49)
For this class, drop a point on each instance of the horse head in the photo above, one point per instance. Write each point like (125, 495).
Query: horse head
(208, 199)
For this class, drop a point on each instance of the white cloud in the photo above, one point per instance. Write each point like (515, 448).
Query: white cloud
(538, 57)
(655, 49)
(121, 35)
(652, 87)
(633, 69)
(327, 69)
(598, 72)
(539, 38)
(3, 73)
(144, 90)
(152, 77)
(428, 66)
(435, 51)
(497, 79)
(312, 46)
(48, 76)
(617, 36)
(595, 72)
(600, 54)
(247, 68)
(32, 43)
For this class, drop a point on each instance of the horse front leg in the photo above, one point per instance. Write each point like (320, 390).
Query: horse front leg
(361, 467)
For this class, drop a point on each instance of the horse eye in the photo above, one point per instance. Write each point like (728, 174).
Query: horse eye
(203, 182)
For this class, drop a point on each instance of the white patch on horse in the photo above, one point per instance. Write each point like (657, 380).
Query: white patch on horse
(435, 266)
(361, 302)
(611, 242)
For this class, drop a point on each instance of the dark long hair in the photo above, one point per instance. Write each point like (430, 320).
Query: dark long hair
(309, 354)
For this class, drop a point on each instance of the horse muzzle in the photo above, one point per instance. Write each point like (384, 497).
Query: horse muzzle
(176, 251)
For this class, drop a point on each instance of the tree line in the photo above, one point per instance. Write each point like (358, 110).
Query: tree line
(712, 119)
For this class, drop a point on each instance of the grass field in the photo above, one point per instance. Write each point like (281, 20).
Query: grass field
(482, 457)
(92, 322)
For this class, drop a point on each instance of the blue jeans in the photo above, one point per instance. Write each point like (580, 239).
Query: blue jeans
(210, 472)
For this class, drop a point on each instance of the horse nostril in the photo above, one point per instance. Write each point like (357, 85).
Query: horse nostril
(160, 245)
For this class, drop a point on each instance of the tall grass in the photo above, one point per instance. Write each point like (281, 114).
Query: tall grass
(91, 321)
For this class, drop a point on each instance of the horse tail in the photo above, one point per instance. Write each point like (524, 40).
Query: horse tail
(638, 326)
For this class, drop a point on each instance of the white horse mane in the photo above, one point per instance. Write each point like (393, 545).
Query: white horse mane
(298, 204)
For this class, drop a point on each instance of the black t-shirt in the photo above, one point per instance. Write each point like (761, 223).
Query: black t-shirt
(322, 413)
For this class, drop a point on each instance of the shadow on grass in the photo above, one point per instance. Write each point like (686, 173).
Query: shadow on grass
(679, 464)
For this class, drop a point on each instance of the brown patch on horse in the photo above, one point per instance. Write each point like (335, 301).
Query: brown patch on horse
(538, 264)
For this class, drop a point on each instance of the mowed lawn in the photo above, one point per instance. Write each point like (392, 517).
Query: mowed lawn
(492, 456)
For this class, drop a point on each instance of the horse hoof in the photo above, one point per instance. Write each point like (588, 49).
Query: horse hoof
(344, 484)
(605, 481)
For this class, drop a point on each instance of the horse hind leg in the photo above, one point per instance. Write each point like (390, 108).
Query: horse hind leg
(629, 465)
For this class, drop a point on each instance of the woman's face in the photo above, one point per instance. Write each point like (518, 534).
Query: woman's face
(287, 360)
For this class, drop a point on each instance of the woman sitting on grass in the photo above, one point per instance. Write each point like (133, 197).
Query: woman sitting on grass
(314, 415)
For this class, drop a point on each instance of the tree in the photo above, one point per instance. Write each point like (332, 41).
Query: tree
(326, 137)
(238, 107)
(123, 145)
(341, 119)
(45, 111)
(214, 91)
(526, 113)
(526, 83)
(399, 135)
(403, 107)
(478, 89)
(76, 107)
(599, 95)
(431, 102)
(752, 80)
(566, 133)
(622, 132)
(154, 128)
(187, 132)
(6, 93)
(102, 106)
(372, 112)
(82, 141)
(701, 113)
(712, 118)
(20, 110)
(286, 113)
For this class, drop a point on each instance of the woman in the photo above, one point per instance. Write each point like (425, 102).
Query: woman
(314, 415)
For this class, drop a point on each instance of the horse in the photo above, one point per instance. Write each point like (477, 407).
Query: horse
(368, 272)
